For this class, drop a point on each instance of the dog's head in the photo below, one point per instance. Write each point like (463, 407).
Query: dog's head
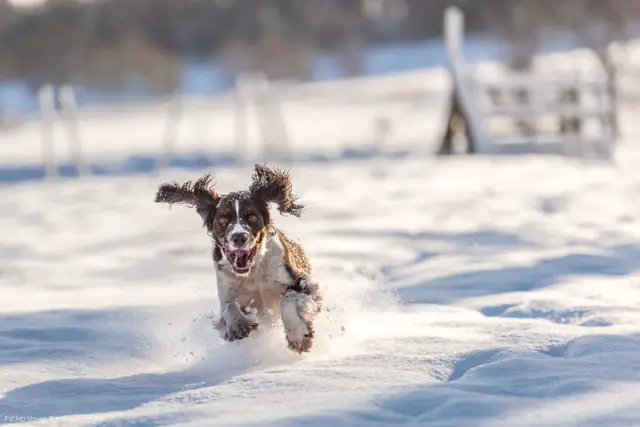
(238, 222)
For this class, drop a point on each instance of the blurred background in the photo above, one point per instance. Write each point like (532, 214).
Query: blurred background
(473, 209)
(166, 82)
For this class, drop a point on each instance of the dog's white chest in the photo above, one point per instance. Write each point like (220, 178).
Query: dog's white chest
(264, 287)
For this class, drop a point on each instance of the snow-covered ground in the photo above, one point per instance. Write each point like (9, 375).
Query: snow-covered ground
(464, 291)
(461, 292)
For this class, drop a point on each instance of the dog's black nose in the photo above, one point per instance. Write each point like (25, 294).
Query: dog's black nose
(239, 239)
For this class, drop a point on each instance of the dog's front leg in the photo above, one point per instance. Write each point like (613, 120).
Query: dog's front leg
(300, 305)
(237, 325)
(234, 324)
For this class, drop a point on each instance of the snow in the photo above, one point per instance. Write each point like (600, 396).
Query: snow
(474, 291)
(470, 291)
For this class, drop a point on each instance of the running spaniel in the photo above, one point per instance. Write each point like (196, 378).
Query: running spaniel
(262, 274)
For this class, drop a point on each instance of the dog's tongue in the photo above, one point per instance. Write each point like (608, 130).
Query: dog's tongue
(240, 258)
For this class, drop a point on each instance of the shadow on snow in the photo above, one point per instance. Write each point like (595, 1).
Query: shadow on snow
(617, 261)
(103, 336)
(149, 163)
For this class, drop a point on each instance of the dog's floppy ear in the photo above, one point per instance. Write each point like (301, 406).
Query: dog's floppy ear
(199, 194)
(274, 185)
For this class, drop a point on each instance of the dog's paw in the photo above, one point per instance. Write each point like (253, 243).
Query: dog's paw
(240, 327)
(301, 340)
(297, 318)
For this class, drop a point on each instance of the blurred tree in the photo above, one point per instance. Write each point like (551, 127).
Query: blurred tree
(43, 43)
(61, 40)
(6, 61)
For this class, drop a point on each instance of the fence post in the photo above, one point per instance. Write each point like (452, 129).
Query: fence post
(240, 133)
(382, 127)
(465, 92)
(273, 129)
(607, 103)
(70, 115)
(170, 137)
(46, 104)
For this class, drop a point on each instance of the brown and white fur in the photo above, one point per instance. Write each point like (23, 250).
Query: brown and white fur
(262, 274)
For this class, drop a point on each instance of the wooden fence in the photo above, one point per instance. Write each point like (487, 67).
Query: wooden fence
(566, 113)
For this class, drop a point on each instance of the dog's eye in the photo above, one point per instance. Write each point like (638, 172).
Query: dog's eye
(223, 219)
(252, 218)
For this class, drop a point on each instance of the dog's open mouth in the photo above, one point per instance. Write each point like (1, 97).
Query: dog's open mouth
(240, 259)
